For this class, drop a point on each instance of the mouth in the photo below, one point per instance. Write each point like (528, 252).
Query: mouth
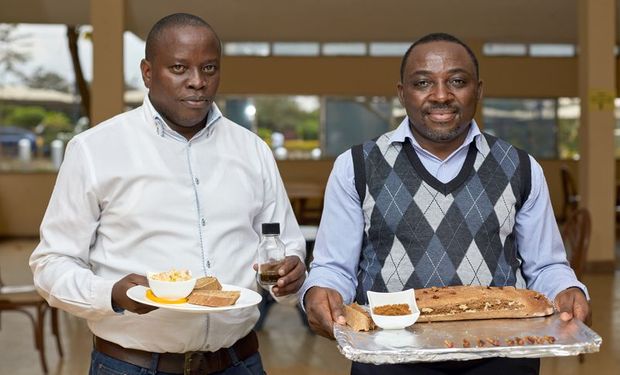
(441, 116)
(444, 114)
(196, 101)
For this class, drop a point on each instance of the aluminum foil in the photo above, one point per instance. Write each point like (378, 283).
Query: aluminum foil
(427, 342)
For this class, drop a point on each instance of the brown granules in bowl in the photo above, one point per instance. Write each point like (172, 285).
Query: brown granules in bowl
(391, 310)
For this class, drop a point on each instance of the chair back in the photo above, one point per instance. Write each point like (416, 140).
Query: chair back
(576, 234)
(569, 189)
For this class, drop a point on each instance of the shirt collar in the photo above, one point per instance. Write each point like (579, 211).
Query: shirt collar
(164, 130)
(403, 131)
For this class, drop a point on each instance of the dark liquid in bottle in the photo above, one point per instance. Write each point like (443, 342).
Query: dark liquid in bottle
(269, 277)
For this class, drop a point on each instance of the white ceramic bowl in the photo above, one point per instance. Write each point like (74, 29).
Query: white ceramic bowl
(398, 321)
(170, 289)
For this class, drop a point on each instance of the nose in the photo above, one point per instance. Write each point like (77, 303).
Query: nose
(441, 92)
(196, 80)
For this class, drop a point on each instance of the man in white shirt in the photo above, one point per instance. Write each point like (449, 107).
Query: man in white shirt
(171, 184)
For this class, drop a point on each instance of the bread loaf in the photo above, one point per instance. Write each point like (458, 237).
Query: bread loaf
(208, 283)
(358, 318)
(214, 298)
(480, 302)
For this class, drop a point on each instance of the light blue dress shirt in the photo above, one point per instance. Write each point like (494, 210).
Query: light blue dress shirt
(339, 239)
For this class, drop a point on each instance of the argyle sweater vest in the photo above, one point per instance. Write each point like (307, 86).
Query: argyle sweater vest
(420, 232)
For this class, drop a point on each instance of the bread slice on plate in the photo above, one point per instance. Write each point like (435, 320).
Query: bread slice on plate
(208, 283)
(358, 318)
(214, 298)
(480, 302)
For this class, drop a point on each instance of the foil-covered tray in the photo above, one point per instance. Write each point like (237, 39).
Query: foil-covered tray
(430, 342)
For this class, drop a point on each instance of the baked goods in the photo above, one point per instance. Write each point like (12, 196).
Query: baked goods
(214, 298)
(207, 283)
(480, 302)
(358, 318)
(392, 310)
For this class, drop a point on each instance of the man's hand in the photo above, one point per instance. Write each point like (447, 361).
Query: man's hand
(292, 275)
(324, 308)
(572, 303)
(119, 294)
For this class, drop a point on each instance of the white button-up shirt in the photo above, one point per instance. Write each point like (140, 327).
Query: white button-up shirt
(134, 196)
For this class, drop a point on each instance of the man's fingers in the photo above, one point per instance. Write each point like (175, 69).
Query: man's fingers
(318, 302)
(336, 308)
(290, 263)
(572, 304)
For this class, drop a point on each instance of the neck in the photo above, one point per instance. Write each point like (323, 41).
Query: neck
(187, 131)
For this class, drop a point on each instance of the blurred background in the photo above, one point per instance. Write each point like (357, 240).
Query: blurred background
(312, 79)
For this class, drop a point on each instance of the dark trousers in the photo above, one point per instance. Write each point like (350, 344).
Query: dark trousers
(490, 366)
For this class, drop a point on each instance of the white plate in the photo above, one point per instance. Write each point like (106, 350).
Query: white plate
(248, 298)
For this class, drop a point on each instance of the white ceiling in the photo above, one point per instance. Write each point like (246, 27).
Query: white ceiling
(334, 20)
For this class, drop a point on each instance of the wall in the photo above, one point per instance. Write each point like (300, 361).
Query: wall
(23, 200)
(353, 76)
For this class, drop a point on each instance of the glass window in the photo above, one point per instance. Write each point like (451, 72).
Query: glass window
(246, 49)
(504, 49)
(344, 49)
(529, 124)
(289, 124)
(350, 121)
(569, 112)
(388, 49)
(39, 104)
(552, 50)
(295, 49)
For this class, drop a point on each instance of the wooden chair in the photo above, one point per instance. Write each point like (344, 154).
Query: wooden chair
(576, 235)
(569, 189)
(24, 298)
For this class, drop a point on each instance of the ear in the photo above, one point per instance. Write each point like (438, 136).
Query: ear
(400, 91)
(479, 91)
(145, 68)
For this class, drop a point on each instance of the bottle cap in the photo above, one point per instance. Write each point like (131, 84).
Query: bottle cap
(271, 228)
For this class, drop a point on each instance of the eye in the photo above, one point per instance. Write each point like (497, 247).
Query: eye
(177, 69)
(458, 82)
(210, 68)
(421, 84)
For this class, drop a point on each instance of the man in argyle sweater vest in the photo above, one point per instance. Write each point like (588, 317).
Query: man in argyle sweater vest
(421, 233)
(436, 202)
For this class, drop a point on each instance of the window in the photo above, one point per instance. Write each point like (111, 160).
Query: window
(39, 106)
(246, 49)
(289, 124)
(350, 121)
(552, 50)
(388, 49)
(344, 49)
(295, 49)
(529, 124)
(504, 49)
(569, 113)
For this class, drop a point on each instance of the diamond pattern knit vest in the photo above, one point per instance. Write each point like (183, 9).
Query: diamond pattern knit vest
(420, 232)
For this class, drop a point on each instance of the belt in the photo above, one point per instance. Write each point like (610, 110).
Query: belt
(176, 363)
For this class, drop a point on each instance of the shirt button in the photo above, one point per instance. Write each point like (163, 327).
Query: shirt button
(208, 264)
(203, 222)
(197, 181)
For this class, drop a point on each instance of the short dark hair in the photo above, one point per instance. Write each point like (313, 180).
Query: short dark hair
(438, 37)
(173, 20)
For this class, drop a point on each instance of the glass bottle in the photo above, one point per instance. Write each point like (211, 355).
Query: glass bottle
(271, 253)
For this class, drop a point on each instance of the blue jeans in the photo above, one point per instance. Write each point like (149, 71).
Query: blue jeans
(102, 364)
